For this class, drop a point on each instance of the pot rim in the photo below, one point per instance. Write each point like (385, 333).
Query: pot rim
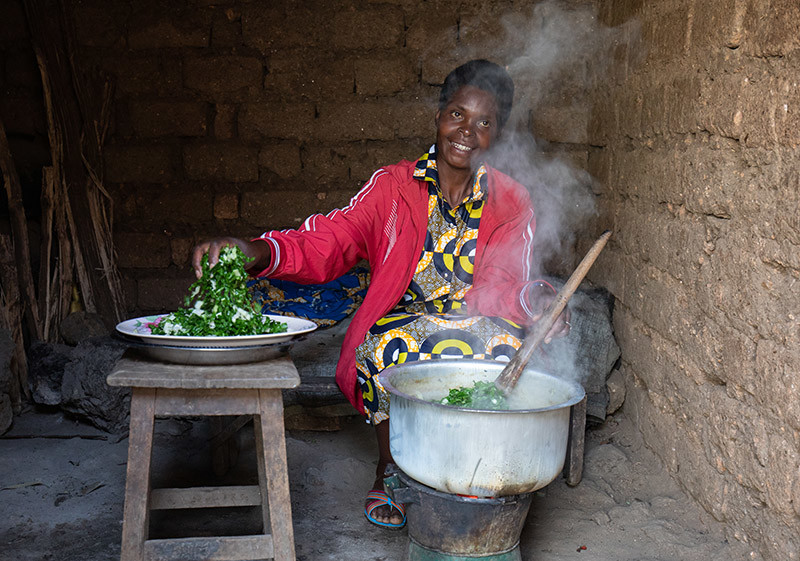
(387, 373)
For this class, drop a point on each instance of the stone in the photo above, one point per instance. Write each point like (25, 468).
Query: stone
(79, 326)
(588, 354)
(46, 363)
(615, 386)
(84, 391)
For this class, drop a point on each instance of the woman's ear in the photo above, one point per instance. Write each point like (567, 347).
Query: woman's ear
(436, 118)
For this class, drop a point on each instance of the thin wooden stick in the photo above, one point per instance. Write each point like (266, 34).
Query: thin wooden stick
(19, 228)
(46, 251)
(508, 378)
(12, 311)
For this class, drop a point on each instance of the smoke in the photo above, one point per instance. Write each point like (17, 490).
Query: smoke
(558, 53)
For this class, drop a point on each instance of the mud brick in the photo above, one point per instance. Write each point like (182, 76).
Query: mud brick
(226, 28)
(373, 27)
(364, 160)
(664, 31)
(323, 75)
(683, 99)
(270, 28)
(222, 162)
(384, 76)
(721, 107)
(277, 120)
(770, 30)
(166, 118)
(778, 367)
(143, 251)
(484, 23)
(425, 34)
(288, 209)
(282, 159)
(99, 23)
(326, 163)
(225, 122)
(435, 69)
(163, 294)
(718, 24)
(144, 75)
(374, 120)
(152, 163)
(169, 28)
(168, 206)
(671, 244)
(223, 73)
(181, 249)
(226, 206)
(562, 124)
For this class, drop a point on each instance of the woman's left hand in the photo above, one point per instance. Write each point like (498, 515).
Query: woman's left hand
(541, 296)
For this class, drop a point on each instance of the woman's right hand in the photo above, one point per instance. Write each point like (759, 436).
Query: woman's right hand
(257, 251)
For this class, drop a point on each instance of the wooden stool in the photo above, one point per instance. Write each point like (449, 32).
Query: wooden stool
(161, 389)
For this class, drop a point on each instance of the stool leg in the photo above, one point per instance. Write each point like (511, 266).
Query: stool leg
(272, 473)
(137, 483)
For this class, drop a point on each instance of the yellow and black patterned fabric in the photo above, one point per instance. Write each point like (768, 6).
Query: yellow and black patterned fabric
(432, 321)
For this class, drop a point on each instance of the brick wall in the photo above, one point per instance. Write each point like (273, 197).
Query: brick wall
(235, 117)
(696, 144)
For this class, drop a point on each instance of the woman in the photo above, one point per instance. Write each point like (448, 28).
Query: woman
(448, 240)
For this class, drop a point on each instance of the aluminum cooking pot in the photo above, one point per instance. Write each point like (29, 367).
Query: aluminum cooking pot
(478, 452)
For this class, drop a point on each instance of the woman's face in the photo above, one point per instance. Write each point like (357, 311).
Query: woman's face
(466, 128)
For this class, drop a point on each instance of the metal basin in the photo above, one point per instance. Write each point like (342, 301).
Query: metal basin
(478, 452)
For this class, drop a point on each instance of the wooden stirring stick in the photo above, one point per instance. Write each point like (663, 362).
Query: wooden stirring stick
(508, 378)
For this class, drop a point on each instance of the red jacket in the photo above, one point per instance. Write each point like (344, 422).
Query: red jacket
(385, 223)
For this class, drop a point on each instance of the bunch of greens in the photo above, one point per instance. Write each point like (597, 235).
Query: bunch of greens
(482, 395)
(219, 304)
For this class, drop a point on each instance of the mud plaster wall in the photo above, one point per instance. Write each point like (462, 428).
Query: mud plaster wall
(235, 117)
(696, 146)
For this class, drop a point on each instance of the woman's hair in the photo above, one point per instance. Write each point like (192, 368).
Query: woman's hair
(486, 76)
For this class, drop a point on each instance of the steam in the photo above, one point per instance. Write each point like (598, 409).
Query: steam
(560, 53)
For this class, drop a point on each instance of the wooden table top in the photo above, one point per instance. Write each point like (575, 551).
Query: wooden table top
(136, 371)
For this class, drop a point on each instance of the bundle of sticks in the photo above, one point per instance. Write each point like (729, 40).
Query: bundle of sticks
(76, 254)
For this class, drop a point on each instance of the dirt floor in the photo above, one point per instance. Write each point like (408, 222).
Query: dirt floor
(62, 483)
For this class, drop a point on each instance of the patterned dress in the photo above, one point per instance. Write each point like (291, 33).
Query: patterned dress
(432, 321)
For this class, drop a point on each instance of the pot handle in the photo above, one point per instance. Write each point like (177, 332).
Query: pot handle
(398, 491)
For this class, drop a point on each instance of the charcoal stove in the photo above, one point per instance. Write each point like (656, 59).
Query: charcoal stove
(449, 527)
(467, 476)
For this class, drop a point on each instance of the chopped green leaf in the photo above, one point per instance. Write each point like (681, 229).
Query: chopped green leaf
(219, 304)
(482, 395)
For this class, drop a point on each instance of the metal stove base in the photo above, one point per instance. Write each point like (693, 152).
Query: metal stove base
(417, 552)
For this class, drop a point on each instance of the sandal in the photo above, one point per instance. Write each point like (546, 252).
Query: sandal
(379, 498)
